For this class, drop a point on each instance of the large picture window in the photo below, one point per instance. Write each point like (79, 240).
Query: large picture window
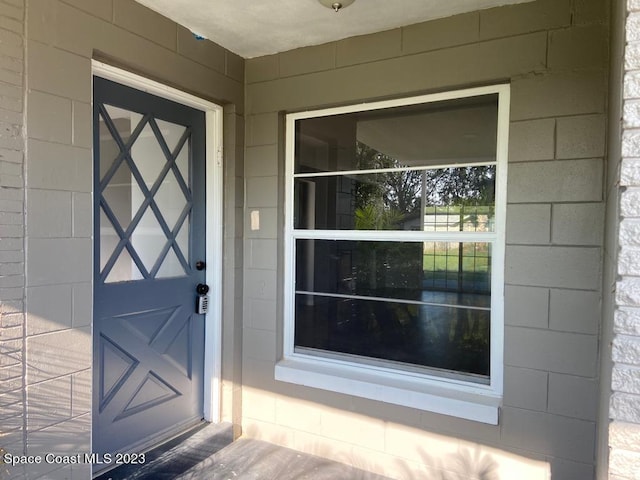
(395, 248)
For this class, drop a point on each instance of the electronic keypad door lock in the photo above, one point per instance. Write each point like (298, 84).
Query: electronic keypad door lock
(202, 302)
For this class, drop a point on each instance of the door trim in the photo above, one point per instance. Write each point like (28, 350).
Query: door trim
(214, 219)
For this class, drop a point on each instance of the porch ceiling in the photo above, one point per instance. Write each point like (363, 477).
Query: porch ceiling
(252, 28)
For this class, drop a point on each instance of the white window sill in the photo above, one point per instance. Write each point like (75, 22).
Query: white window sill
(405, 390)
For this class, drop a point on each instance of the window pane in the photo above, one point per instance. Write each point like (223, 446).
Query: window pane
(148, 239)
(451, 199)
(447, 338)
(438, 133)
(462, 267)
(449, 273)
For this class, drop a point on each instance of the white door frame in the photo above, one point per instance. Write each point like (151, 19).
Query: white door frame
(214, 226)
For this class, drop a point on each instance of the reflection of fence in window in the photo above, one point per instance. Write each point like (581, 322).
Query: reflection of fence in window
(458, 267)
(452, 218)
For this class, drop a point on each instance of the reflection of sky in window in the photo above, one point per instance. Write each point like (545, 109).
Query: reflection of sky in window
(442, 133)
(452, 132)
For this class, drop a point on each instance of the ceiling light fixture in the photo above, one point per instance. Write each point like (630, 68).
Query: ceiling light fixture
(337, 6)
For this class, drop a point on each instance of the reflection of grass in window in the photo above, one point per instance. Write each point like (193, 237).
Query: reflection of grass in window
(441, 266)
(449, 263)
(446, 259)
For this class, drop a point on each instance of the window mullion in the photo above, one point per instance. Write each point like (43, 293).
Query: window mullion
(396, 236)
(423, 168)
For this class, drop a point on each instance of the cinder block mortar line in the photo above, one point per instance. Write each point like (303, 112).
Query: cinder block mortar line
(11, 57)
(555, 117)
(112, 22)
(550, 243)
(562, 245)
(551, 209)
(555, 153)
(559, 202)
(571, 245)
(41, 334)
(70, 416)
(383, 60)
(550, 330)
(511, 122)
(554, 288)
(547, 45)
(546, 410)
(592, 422)
(55, 142)
(534, 454)
(450, 47)
(548, 316)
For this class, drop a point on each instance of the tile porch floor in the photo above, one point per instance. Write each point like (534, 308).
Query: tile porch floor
(207, 453)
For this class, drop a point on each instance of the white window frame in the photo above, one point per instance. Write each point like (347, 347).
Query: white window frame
(450, 396)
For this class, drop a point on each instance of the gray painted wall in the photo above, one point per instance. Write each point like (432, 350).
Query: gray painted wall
(555, 55)
(48, 410)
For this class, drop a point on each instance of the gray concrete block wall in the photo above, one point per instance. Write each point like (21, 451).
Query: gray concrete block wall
(624, 401)
(12, 202)
(555, 222)
(57, 263)
(46, 314)
(231, 393)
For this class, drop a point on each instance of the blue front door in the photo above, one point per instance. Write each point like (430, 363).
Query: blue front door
(149, 230)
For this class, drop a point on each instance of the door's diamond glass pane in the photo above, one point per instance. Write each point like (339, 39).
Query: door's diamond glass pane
(109, 149)
(171, 266)
(170, 199)
(124, 122)
(108, 239)
(170, 132)
(148, 239)
(123, 195)
(182, 161)
(148, 156)
(125, 269)
(182, 239)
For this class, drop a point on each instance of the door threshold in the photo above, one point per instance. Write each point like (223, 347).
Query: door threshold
(175, 456)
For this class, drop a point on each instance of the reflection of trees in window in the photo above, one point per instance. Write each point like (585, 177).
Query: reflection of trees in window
(463, 186)
(397, 233)
(464, 197)
(386, 202)
(389, 200)
(459, 199)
